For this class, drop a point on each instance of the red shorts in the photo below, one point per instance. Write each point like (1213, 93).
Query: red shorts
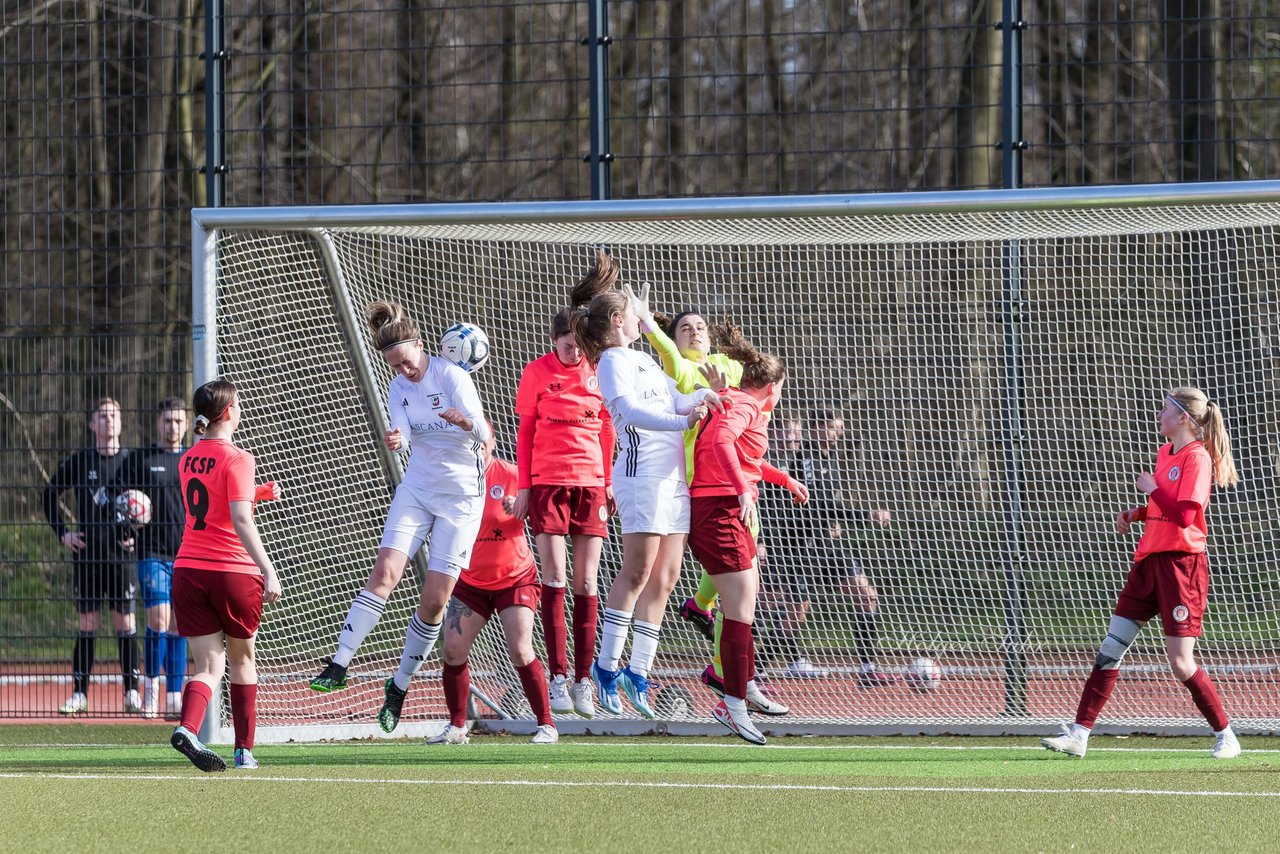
(1174, 585)
(525, 592)
(717, 537)
(206, 601)
(568, 510)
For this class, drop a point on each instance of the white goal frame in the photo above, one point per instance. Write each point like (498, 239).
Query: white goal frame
(1009, 219)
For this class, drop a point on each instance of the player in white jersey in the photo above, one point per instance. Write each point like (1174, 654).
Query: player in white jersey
(435, 410)
(649, 485)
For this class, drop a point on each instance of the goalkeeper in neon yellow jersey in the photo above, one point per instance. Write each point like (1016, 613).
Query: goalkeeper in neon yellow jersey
(684, 345)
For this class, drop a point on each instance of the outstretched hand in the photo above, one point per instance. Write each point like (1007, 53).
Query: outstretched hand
(714, 401)
(717, 380)
(640, 305)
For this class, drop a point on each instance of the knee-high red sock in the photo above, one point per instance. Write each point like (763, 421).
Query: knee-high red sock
(195, 701)
(244, 714)
(457, 685)
(735, 657)
(553, 630)
(585, 612)
(534, 680)
(1097, 690)
(1206, 699)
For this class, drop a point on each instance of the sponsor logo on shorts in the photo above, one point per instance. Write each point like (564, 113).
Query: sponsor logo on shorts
(496, 492)
(1175, 473)
(604, 513)
(1180, 613)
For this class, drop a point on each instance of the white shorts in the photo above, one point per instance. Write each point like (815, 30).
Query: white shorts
(649, 505)
(450, 522)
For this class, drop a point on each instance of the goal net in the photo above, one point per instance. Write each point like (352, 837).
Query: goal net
(996, 361)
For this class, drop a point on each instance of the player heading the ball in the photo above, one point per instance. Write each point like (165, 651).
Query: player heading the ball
(433, 407)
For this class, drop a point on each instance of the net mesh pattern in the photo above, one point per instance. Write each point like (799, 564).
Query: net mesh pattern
(998, 375)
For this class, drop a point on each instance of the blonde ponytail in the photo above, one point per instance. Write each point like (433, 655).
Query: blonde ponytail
(1212, 432)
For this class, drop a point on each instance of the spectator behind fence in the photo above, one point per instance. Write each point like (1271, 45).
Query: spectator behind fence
(813, 539)
(154, 470)
(101, 565)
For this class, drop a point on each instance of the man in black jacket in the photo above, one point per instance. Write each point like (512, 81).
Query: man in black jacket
(102, 571)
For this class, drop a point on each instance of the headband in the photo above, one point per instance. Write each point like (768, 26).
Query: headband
(1174, 401)
(416, 339)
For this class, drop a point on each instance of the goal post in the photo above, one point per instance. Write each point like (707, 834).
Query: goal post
(997, 359)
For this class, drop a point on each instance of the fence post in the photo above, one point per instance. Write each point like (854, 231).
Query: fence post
(215, 170)
(215, 86)
(1012, 145)
(597, 42)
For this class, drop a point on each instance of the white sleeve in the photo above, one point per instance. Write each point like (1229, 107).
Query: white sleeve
(399, 415)
(684, 403)
(634, 414)
(468, 402)
(618, 388)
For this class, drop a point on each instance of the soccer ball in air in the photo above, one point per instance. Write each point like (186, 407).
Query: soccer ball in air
(924, 675)
(133, 507)
(466, 345)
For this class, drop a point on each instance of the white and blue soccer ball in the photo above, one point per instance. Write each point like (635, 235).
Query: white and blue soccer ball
(924, 675)
(466, 345)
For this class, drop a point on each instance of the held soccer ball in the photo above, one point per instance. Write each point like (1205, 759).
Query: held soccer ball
(466, 345)
(133, 507)
(924, 675)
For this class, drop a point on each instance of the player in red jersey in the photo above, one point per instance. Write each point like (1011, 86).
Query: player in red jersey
(221, 575)
(501, 578)
(1170, 574)
(564, 455)
(728, 467)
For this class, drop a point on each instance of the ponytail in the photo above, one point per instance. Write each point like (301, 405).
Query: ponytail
(1212, 432)
(758, 369)
(210, 404)
(389, 325)
(1218, 444)
(600, 278)
(593, 324)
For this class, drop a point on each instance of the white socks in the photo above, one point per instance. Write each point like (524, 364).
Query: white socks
(644, 646)
(363, 616)
(613, 637)
(419, 638)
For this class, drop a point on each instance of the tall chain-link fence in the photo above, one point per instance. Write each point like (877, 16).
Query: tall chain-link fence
(105, 113)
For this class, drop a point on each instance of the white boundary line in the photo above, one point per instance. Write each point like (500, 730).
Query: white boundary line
(502, 742)
(626, 784)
